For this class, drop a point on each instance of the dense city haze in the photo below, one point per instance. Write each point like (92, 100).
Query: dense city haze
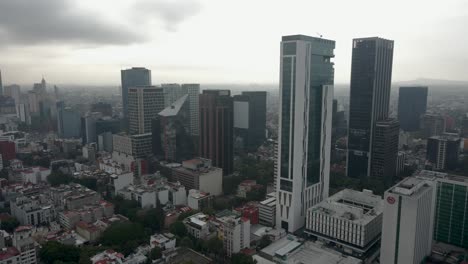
(208, 41)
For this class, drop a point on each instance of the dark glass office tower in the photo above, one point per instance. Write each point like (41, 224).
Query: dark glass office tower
(216, 128)
(385, 149)
(371, 75)
(250, 119)
(136, 76)
(1, 84)
(412, 103)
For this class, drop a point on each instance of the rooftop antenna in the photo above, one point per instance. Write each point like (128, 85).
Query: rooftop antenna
(320, 35)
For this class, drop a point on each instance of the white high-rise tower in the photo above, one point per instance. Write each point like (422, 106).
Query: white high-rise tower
(304, 136)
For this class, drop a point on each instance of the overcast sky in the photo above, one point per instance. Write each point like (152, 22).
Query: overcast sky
(220, 41)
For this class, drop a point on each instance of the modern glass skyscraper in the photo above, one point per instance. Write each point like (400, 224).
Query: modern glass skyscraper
(136, 76)
(250, 119)
(306, 101)
(412, 103)
(371, 76)
(1, 84)
(216, 129)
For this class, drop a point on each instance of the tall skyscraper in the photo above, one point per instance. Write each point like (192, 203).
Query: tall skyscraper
(432, 125)
(216, 128)
(408, 222)
(371, 76)
(173, 91)
(171, 138)
(136, 76)
(412, 103)
(1, 84)
(306, 102)
(443, 151)
(385, 149)
(193, 91)
(13, 91)
(68, 121)
(144, 104)
(451, 209)
(250, 119)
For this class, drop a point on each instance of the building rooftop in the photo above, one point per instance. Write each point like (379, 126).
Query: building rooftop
(359, 207)
(409, 186)
(6, 253)
(186, 255)
(291, 249)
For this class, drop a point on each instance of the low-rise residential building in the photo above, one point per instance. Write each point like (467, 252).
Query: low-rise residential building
(112, 257)
(247, 186)
(23, 241)
(250, 211)
(198, 200)
(73, 196)
(236, 234)
(34, 175)
(350, 219)
(267, 210)
(145, 196)
(108, 257)
(120, 181)
(9, 255)
(34, 210)
(177, 193)
(163, 241)
(199, 174)
(197, 225)
(88, 214)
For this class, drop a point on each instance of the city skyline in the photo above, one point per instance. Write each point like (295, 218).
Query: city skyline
(81, 43)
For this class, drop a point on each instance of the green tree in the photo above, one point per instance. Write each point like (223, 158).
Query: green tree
(54, 251)
(215, 246)
(88, 182)
(155, 253)
(4, 173)
(256, 195)
(124, 237)
(153, 219)
(128, 208)
(178, 228)
(57, 177)
(240, 258)
(186, 242)
(9, 224)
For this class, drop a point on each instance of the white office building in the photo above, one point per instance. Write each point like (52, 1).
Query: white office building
(306, 95)
(350, 219)
(144, 104)
(408, 222)
(197, 225)
(267, 210)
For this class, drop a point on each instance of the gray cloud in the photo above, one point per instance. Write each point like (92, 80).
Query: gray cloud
(27, 22)
(171, 12)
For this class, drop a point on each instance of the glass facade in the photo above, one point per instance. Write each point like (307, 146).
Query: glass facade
(286, 114)
(371, 72)
(451, 225)
(321, 73)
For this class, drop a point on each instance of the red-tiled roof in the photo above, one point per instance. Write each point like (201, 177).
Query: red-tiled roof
(8, 253)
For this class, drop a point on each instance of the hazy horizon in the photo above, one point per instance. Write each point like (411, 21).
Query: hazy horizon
(207, 41)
